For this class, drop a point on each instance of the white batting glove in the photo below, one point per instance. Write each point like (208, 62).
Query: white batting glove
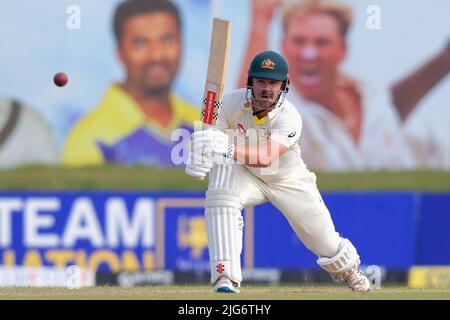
(208, 147)
(198, 165)
(210, 141)
(198, 173)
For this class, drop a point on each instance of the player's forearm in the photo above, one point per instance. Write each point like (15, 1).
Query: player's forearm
(258, 156)
(408, 92)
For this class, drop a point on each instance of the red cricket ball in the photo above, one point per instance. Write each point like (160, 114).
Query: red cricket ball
(60, 79)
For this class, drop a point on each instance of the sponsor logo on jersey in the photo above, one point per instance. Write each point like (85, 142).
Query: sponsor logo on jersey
(292, 134)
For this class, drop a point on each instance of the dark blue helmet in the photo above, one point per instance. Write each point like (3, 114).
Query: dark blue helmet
(268, 65)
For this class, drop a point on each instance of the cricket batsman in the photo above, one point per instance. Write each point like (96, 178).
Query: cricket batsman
(257, 134)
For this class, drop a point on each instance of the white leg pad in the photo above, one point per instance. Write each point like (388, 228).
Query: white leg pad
(224, 223)
(343, 263)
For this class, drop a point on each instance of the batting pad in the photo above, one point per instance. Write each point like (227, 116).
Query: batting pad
(224, 223)
(343, 263)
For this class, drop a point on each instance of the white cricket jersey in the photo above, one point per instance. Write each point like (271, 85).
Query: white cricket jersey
(30, 140)
(429, 139)
(327, 144)
(282, 124)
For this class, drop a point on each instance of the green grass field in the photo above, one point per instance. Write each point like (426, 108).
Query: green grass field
(150, 178)
(205, 293)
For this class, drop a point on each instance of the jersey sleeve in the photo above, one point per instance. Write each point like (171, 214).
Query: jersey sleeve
(286, 129)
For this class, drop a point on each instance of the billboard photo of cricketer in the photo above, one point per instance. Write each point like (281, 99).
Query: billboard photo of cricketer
(373, 93)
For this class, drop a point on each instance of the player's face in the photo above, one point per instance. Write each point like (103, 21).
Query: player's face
(265, 93)
(314, 47)
(150, 50)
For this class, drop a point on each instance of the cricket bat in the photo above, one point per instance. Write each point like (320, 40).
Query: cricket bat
(217, 71)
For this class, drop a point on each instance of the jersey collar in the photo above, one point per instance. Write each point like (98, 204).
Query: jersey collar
(270, 116)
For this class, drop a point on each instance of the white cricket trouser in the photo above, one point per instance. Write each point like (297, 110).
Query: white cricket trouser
(300, 202)
(232, 188)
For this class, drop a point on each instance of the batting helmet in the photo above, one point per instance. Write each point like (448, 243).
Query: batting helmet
(268, 65)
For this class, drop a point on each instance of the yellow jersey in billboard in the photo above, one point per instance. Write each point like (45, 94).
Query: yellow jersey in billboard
(118, 132)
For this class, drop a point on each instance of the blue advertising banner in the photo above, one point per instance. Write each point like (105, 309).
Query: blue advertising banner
(380, 225)
(102, 231)
(130, 231)
(433, 245)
